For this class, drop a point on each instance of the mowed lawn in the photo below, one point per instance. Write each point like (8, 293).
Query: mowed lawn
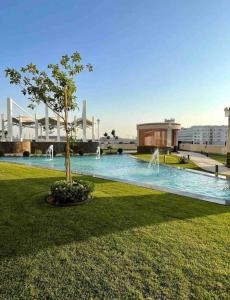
(171, 160)
(219, 157)
(128, 243)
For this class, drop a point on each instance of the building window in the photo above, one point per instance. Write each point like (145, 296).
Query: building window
(157, 138)
(148, 138)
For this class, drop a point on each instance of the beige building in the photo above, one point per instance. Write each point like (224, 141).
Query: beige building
(157, 135)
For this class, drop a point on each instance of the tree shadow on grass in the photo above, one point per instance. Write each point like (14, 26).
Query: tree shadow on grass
(28, 224)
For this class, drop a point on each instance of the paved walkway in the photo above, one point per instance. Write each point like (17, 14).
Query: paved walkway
(205, 163)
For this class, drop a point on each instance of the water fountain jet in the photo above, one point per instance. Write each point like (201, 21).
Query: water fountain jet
(50, 152)
(155, 160)
(98, 152)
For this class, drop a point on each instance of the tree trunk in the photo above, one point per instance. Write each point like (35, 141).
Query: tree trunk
(67, 152)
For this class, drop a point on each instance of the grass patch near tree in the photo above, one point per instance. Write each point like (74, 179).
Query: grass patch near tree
(129, 242)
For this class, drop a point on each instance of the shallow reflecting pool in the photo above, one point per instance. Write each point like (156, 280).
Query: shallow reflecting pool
(127, 168)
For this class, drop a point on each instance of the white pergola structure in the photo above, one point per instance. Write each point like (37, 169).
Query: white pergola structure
(84, 123)
(46, 122)
(98, 129)
(27, 120)
(3, 127)
(23, 121)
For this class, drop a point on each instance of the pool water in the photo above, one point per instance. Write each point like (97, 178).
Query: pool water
(127, 168)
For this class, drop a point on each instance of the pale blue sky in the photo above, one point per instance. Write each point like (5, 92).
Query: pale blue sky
(152, 59)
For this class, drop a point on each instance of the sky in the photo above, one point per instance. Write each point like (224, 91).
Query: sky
(152, 59)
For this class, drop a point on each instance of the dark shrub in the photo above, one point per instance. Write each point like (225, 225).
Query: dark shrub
(183, 160)
(64, 193)
(81, 153)
(119, 150)
(26, 153)
(110, 149)
(175, 149)
(101, 151)
(2, 153)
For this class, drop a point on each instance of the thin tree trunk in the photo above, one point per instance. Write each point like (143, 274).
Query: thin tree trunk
(67, 152)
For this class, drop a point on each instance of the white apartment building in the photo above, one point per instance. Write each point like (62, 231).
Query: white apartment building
(212, 135)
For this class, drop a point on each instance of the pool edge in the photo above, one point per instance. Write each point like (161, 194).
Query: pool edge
(168, 190)
(144, 185)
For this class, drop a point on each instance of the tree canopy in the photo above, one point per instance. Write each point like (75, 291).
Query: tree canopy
(55, 87)
(48, 86)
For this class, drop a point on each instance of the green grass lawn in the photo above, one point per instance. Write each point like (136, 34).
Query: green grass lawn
(219, 157)
(171, 160)
(128, 243)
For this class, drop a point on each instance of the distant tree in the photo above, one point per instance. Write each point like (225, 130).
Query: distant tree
(113, 133)
(55, 87)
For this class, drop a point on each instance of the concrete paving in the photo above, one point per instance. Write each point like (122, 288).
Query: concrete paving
(204, 162)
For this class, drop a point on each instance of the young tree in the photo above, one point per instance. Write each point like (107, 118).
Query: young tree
(56, 88)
